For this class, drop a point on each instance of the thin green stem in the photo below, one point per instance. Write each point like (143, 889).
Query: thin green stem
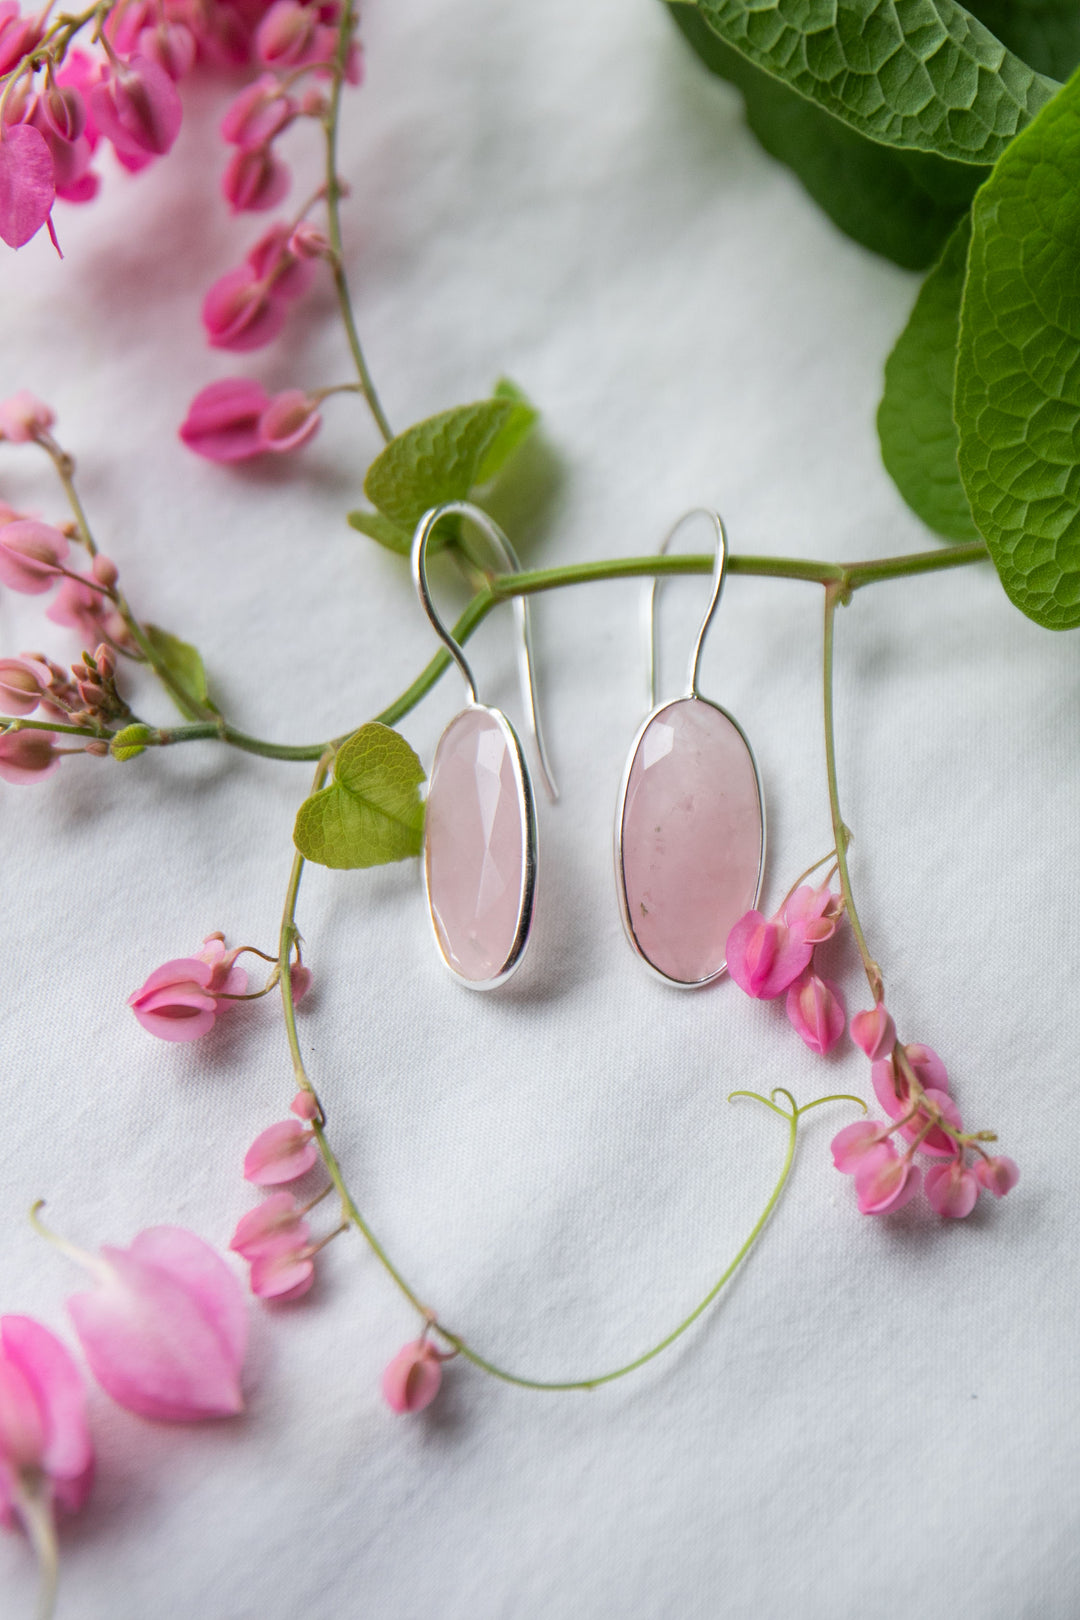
(840, 832)
(333, 216)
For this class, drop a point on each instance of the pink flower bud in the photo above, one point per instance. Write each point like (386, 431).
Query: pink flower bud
(18, 35)
(105, 571)
(172, 46)
(303, 1104)
(27, 183)
(276, 1225)
(280, 1153)
(64, 110)
(105, 661)
(308, 242)
(125, 22)
(815, 1008)
(136, 106)
(290, 420)
(885, 1182)
(254, 180)
(874, 1032)
(222, 423)
(258, 114)
(813, 914)
(27, 756)
(273, 261)
(23, 418)
(998, 1176)
(165, 1331)
(287, 35)
(951, 1189)
(43, 1429)
(80, 607)
(313, 103)
(412, 1379)
(23, 684)
(765, 957)
(240, 311)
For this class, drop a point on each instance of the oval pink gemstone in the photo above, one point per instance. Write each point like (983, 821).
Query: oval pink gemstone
(478, 878)
(692, 839)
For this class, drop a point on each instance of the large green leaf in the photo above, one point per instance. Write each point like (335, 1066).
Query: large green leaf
(897, 202)
(1018, 366)
(915, 419)
(372, 812)
(1046, 33)
(924, 74)
(184, 668)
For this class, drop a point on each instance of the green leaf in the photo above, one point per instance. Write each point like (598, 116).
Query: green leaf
(915, 419)
(1046, 33)
(442, 458)
(131, 741)
(911, 73)
(1018, 366)
(516, 428)
(184, 666)
(899, 203)
(383, 529)
(372, 812)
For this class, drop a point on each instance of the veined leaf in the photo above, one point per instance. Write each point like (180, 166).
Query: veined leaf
(918, 436)
(372, 812)
(184, 666)
(924, 74)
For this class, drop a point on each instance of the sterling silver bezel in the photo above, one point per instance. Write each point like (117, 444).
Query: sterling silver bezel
(529, 855)
(620, 874)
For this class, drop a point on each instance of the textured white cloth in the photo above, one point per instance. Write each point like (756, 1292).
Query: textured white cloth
(879, 1417)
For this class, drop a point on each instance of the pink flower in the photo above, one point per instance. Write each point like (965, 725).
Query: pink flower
(240, 311)
(18, 35)
(289, 36)
(23, 684)
(255, 179)
(275, 261)
(951, 1189)
(283, 1274)
(23, 418)
(813, 914)
(308, 242)
(171, 45)
(300, 984)
(45, 1449)
(885, 1182)
(27, 756)
(280, 1153)
(30, 555)
(765, 957)
(412, 1379)
(874, 1032)
(276, 1224)
(79, 606)
(27, 183)
(998, 1176)
(894, 1095)
(289, 421)
(181, 999)
(258, 114)
(166, 1329)
(851, 1145)
(815, 1008)
(137, 107)
(222, 422)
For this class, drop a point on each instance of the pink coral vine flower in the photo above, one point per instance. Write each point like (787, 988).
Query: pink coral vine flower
(815, 1009)
(411, 1381)
(281, 1153)
(23, 683)
(31, 555)
(27, 756)
(276, 1224)
(165, 1330)
(136, 106)
(998, 1175)
(241, 312)
(764, 956)
(222, 423)
(46, 1456)
(260, 112)
(813, 914)
(181, 999)
(884, 1182)
(24, 418)
(951, 1189)
(80, 607)
(254, 180)
(283, 1274)
(289, 421)
(851, 1145)
(874, 1032)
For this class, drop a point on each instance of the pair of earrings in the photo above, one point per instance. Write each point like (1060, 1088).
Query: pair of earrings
(689, 830)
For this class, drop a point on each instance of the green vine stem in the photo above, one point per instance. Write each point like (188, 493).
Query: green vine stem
(842, 578)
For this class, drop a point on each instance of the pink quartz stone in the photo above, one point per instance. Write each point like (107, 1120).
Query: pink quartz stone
(475, 836)
(692, 838)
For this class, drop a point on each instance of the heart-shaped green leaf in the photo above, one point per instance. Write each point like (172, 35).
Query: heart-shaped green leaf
(372, 812)
(184, 666)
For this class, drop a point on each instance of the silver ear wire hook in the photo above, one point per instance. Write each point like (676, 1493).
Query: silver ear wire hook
(718, 585)
(508, 559)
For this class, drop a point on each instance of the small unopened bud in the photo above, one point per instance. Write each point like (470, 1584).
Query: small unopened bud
(308, 242)
(304, 1105)
(105, 571)
(105, 661)
(100, 749)
(313, 104)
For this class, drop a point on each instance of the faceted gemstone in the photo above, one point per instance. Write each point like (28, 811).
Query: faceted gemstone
(692, 833)
(475, 844)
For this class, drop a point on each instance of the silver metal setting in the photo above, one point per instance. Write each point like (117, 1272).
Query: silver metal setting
(526, 803)
(691, 693)
(529, 850)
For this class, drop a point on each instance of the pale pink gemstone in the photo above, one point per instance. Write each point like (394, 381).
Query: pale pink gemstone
(474, 846)
(692, 833)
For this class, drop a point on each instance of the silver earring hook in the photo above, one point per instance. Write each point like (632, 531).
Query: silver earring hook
(508, 559)
(718, 585)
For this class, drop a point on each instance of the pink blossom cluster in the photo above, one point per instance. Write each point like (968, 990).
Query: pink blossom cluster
(163, 1331)
(770, 957)
(912, 1086)
(275, 1238)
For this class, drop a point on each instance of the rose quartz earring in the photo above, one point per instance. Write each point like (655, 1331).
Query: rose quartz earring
(480, 824)
(690, 828)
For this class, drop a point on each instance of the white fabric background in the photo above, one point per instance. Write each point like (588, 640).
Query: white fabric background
(879, 1417)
